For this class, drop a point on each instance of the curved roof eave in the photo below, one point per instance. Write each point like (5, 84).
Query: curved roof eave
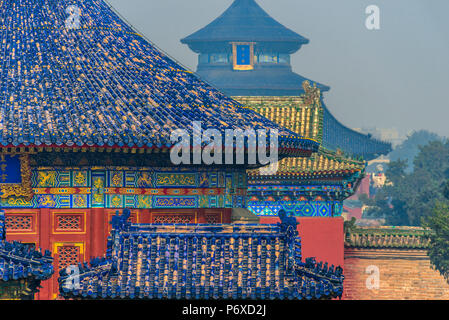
(102, 84)
(245, 20)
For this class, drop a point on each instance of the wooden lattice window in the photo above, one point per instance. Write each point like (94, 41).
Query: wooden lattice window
(19, 223)
(68, 222)
(212, 218)
(171, 218)
(67, 256)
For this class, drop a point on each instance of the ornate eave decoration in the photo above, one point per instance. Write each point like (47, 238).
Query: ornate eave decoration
(22, 189)
(311, 95)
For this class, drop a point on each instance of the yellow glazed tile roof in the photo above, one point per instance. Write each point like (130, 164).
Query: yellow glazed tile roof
(303, 115)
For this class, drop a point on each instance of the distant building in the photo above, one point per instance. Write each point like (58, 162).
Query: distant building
(246, 53)
(391, 135)
(86, 116)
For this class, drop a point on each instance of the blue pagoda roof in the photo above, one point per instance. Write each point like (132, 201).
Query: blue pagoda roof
(258, 82)
(245, 20)
(19, 261)
(338, 136)
(201, 261)
(101, 84)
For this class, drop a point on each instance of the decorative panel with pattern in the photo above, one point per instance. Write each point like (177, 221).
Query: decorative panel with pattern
(173, 218)
(296, 208)
(212, 218)
(133, 187)
(68, 255)
(19, 222)
(69, 222)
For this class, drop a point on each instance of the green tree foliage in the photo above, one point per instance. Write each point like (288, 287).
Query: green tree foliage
(408, 149)
(408, 197)
(439, 239)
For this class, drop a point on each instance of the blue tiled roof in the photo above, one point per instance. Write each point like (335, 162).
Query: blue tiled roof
(258, 82)
(338, 136)
(101, 84)
(245, 20)
(19, 261)
(197, 261)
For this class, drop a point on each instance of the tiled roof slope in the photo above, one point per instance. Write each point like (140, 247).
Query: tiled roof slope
(305, 119)
(18, 261)
(245, 20)
(338, 136)
(322, 164)
(99, 83)
(386, 237)
(308, 116)
(182, 261)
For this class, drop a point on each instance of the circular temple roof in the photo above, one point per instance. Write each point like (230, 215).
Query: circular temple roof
(245, 20)
(74, 74)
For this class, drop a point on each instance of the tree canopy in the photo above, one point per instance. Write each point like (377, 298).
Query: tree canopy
(408, 149)
(438, 252)
(408, 197)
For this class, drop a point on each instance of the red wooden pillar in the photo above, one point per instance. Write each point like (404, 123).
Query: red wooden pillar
(227, 214)
(45, 244)
(97, 232)
(144, 216)
(200, 216)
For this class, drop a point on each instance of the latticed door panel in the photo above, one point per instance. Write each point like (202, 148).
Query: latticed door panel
(19, 223)
(174, 218)
(212, 218)
(66, 254)
(69, 222)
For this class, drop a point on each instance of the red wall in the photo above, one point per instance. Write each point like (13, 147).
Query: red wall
(353, 212)
(321, 238)
(76, 235)
(362, 189)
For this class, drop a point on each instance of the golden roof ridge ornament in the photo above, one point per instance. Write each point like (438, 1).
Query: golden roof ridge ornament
(311, 95)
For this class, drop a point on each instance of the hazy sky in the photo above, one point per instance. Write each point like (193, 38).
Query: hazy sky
(397, 76)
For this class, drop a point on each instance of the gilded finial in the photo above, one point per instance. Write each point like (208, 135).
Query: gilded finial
(311, 94)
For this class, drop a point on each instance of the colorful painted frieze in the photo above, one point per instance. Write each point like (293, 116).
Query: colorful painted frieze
(127, 187)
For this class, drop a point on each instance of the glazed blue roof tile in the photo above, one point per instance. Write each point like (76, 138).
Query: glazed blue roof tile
(245, 20)
(101, 84)
(197, 261)
(338, 136)
(258, 82)
(19, 261)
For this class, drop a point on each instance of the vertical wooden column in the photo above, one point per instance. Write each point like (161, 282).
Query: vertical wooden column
(97, 232)
(45, 244)
(144, 216)
(44, 226)
(227, 213)
(200, 216)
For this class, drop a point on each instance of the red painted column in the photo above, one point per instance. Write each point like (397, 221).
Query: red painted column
(227, 214)
(97, 232)
(45, 244)
(200, 216)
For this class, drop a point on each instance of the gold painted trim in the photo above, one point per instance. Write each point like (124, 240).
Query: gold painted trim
(80, 245)
(234, 56)
(23, 189)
